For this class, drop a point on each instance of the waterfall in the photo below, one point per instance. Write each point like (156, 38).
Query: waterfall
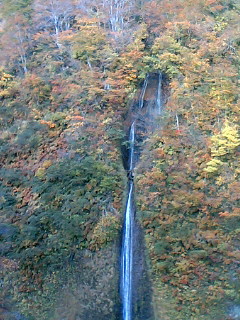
(159, 94)
(127, 254)
(127, 257)
(141, 98)
(127, 246)
(132, 141)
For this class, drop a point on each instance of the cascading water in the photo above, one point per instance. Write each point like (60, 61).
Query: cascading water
(127, 246)
(132, 142)
(159, 94)
(127, 258)
(141, 98)
(147, 107)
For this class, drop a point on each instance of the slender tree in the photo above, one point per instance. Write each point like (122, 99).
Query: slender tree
(16, 42)
(54, 16)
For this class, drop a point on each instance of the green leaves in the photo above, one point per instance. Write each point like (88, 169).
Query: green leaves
(67, 211)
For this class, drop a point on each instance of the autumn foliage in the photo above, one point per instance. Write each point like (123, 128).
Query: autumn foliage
(68, 73)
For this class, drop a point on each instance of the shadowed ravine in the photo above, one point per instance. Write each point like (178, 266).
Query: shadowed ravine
(136, 298)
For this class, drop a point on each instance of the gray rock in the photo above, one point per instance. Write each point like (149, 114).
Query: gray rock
(235, 312)
(7, 231)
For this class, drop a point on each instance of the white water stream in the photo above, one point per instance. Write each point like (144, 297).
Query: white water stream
(127, 258)
(141, 98)
(127, 246)
(132, 141)
(159, 94)
(127, 243)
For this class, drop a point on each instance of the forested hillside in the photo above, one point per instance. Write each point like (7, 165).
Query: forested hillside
(69, 70)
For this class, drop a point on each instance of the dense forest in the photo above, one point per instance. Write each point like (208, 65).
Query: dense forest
(69, 70)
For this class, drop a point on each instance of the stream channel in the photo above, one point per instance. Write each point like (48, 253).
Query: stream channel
(145, 110)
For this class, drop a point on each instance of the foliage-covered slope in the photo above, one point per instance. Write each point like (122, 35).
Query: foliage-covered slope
(68, 70)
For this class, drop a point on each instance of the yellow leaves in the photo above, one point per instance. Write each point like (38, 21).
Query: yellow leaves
(46, 164)
(5, 84)
(40, 173)
(169, 57)
(5, 78)
(220, 24)
(166, 43)
(107, 121)
(131, 78)
(213, 166)
(220, 181)
(183, 265)
(223, 144)
(90, 43)
(222, 94)
(187, 83)
(4, 93)
(104, 231)
(226, 142)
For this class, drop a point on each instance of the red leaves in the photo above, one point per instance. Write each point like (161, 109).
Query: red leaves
(179, 131)
(184, 280)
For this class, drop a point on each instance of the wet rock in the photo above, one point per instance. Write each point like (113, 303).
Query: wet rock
(7, 315)
(17, 316)
(235, 312)
(5, 248)
(7, 231)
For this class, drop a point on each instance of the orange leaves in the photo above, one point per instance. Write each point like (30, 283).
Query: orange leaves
(209, 235)
(200, 184)
(77, 118)
(75, 121)
(234, 254)
(66, 36)
(42, 37)
(153, 177)
(211, 2)
(235, 213)
(234, 190)
(50, 124)
(32, 81)
(159, 153)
